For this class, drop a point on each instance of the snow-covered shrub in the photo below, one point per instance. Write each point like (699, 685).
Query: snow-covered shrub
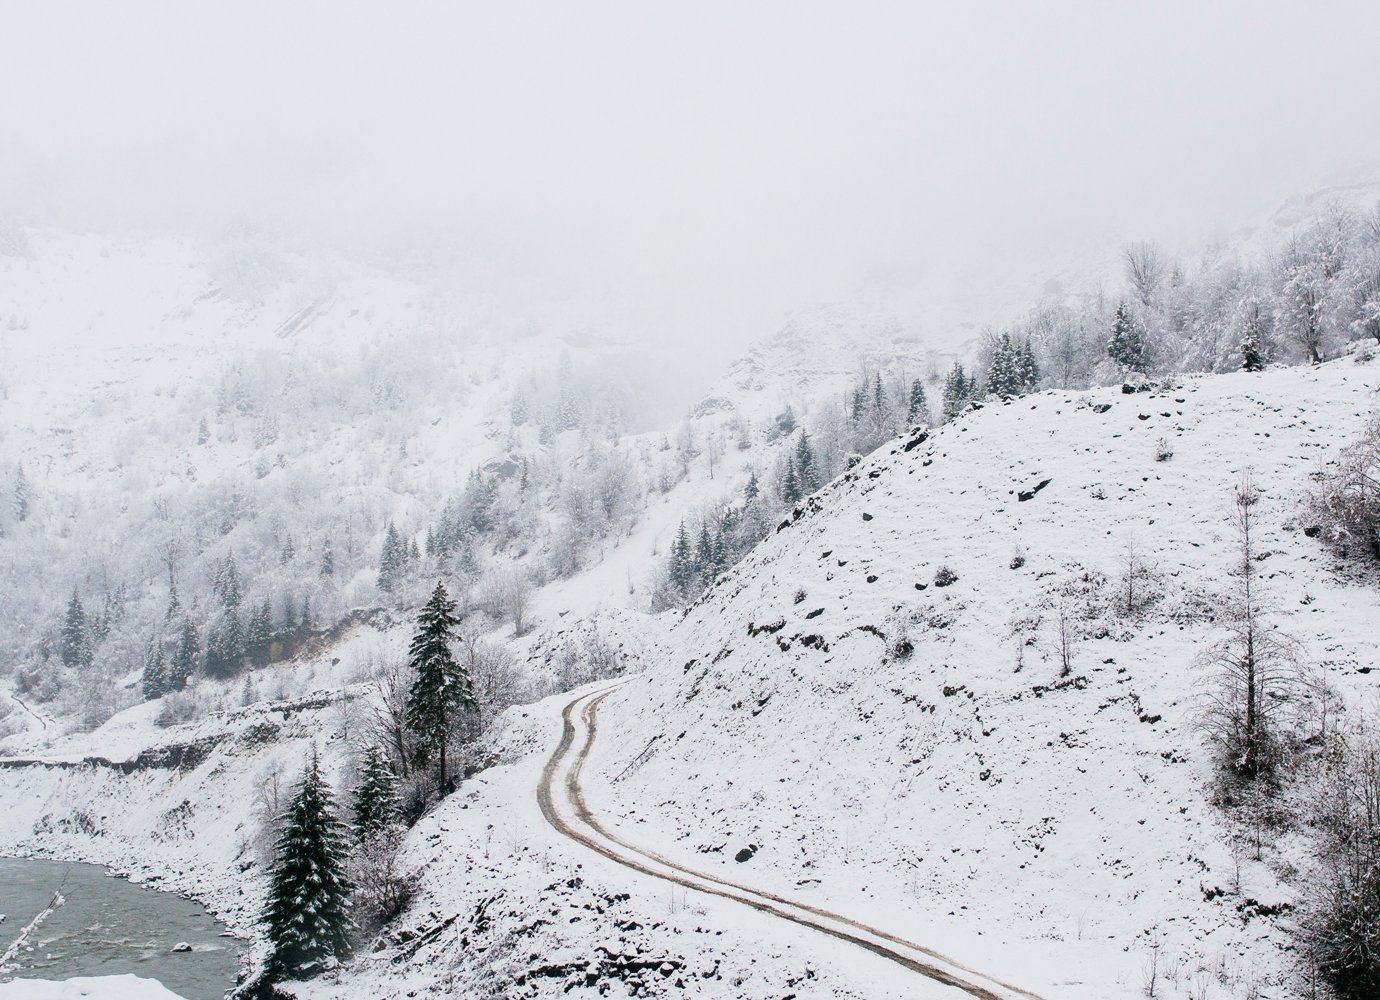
(382, 888)
(944, 577)
(1343, 916)
(1347, 501)
(1164, 451)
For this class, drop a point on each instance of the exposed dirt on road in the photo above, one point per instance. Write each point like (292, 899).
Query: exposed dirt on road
(580, 725)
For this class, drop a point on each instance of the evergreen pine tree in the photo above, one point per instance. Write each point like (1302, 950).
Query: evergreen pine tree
(878, 395)
(376, 807)
(174, 604)
(155, 681)
(184, 660)
(752, 489)
(230, 642)
(289, 625)
(307, 918)
(327, 567)
(304, 619)
(289, 551)
(226, 585)
(956, 391)
(259, 636)
(442, 686)
(790, 483)
(1251, 358)
(392, 560)
(22, 495)
(918, 408)
(855, 409)
(705, 568)
(1029, 368)
(805, 463)
(682, 564)
(1001, 377)
(1127, 344)
(74, 642)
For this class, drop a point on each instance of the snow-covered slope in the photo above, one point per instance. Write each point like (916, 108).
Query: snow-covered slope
(1052, 832)
(831, 723)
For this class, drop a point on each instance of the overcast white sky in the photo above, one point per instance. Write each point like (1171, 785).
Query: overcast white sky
(702, 166)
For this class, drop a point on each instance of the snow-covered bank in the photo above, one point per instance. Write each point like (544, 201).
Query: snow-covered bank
(87, 988)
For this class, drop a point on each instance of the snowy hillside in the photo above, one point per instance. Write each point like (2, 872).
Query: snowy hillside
(831, 726)
(831, 723)
(166, 409)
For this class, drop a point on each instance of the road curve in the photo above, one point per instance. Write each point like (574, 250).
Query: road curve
(563, 804)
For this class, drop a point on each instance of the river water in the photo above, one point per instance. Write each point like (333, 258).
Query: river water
(108, 927)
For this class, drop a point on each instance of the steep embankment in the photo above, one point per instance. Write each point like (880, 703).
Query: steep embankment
(838, 727)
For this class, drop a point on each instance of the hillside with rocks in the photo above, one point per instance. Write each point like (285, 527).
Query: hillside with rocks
(872, 711)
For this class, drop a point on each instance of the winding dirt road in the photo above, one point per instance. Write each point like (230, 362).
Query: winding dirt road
(562, 803)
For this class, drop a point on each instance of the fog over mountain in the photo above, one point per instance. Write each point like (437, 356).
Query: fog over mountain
(693, 173)
(717, 501)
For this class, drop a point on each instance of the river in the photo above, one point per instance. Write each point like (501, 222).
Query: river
(108, 927)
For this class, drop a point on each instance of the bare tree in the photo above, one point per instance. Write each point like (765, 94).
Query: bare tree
(382, 887)
(1137, 579)
(1255, 674)
(1145, 267)
(1065, 634)
(392, 684)
(507, 594)
(499, 683)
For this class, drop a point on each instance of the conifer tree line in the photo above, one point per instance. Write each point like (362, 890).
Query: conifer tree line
(326, 874)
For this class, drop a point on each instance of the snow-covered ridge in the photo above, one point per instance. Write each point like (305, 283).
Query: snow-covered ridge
(831, 721)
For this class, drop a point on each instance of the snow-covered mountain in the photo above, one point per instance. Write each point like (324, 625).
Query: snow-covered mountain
(169, 407)
(836, 724)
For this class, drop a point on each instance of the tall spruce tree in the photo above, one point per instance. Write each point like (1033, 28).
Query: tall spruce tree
(682, 571)
(184, 660)
(155, 681)
(918, 408)
(1028, 368)
(1127, 344)
(442, 686)
(1002, 378)
(307, 917)
(327, 566)
(376, 809)
(22, 494)
(805, 464)
(259, 636)
(790, 483)
(706, 566)
(74, 642)
(226, 585)
(956, 391)
(392, 560)
(752, 489)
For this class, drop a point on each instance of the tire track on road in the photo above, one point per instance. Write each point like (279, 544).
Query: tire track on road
(584, 828)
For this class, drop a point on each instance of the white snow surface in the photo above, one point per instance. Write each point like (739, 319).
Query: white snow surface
(1045, 832)
(126, 987)
(1042, 832)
